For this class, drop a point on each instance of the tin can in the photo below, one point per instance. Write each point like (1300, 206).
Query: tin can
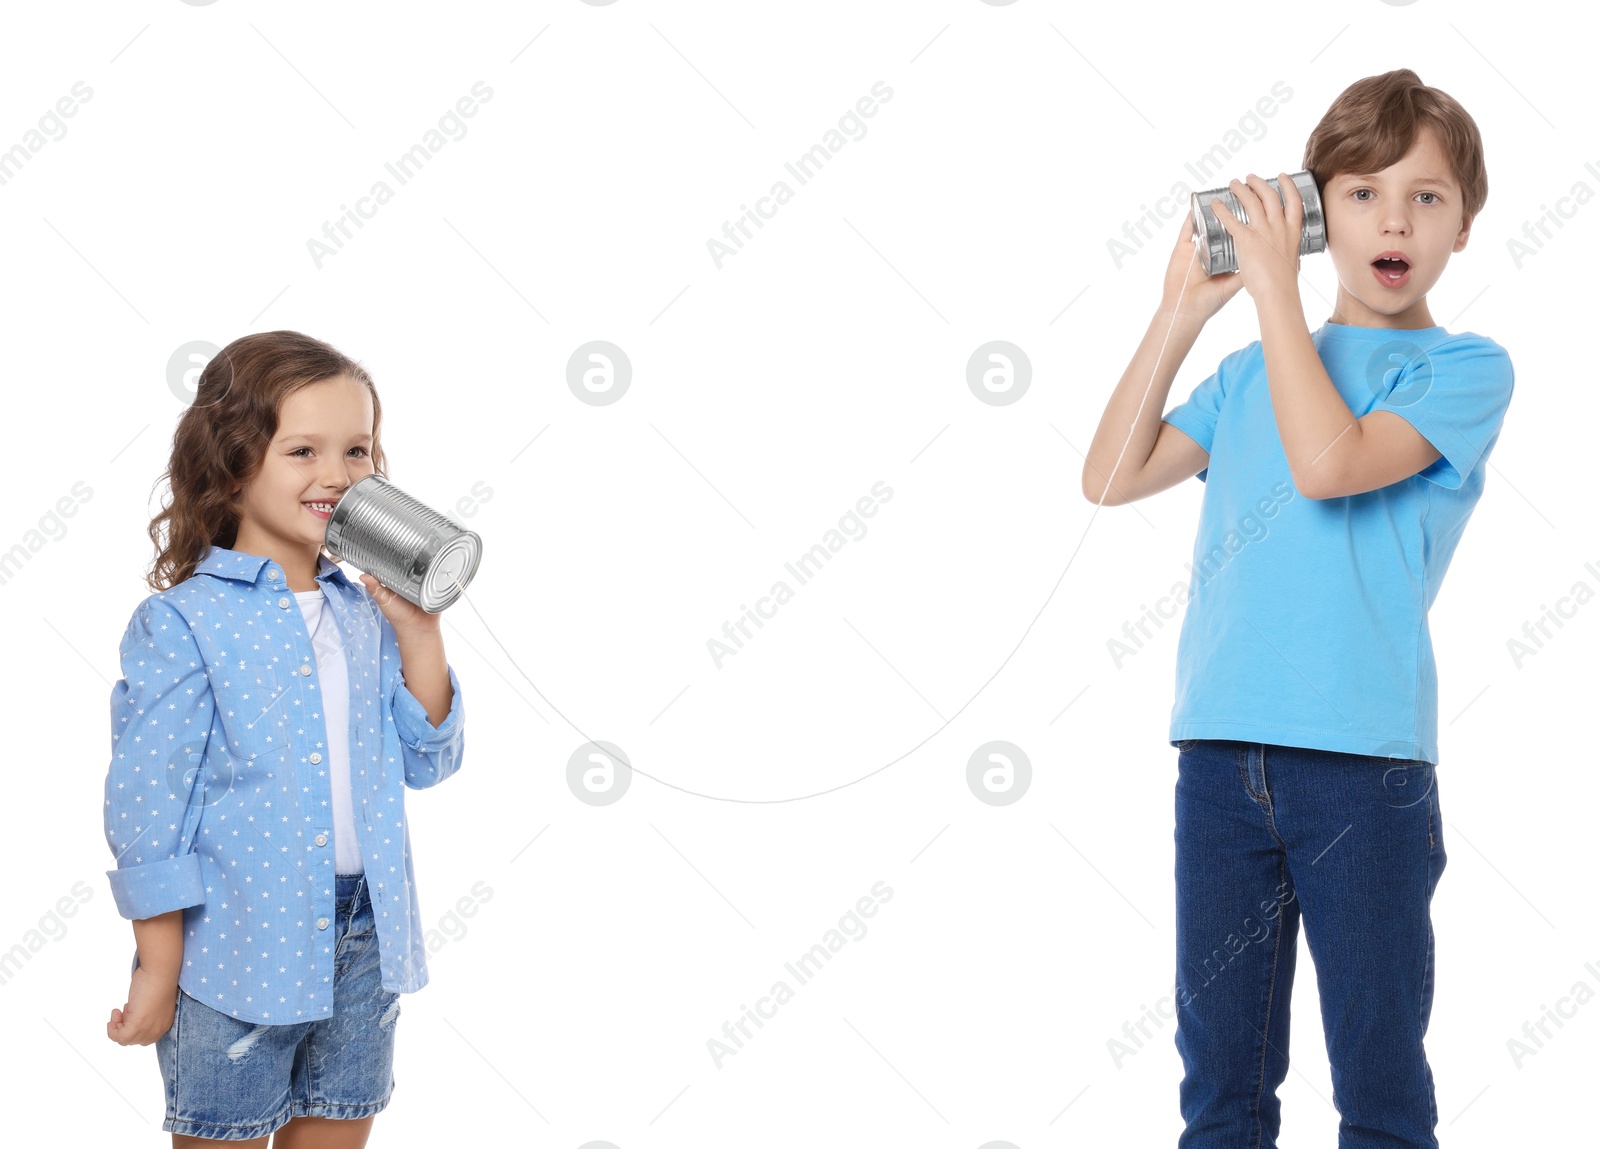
(406, 545)
(1216, 245)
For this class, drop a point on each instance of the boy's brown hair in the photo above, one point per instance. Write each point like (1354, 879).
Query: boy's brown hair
(1374, 121)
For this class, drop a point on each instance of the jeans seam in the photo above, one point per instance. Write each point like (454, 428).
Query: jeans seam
(212, 1126)
(1427, 977)
(1242, 756)
(342, 946)
(1263, 799)
(297, 1109)
(1433, 1107)
(1244, 776)
(177, 1049)
(309, 1041)
(1266, 1022)
(1430, 821)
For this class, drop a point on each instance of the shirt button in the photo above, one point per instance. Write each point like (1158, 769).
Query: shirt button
(315, 758)
(305, 668)
(322, 923)
(284, 603)
(321, 839)
(272, 574)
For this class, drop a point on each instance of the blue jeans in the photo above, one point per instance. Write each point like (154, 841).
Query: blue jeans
(1268, 836)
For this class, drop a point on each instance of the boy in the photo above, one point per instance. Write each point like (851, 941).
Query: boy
(1341, 467)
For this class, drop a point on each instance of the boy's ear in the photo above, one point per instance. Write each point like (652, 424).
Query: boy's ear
(1461, 236)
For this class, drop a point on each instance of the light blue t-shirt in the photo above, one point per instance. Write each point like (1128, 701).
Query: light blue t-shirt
(1307, 619)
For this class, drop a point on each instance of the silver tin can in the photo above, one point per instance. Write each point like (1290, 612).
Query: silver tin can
(1216, 245)
(406, 545)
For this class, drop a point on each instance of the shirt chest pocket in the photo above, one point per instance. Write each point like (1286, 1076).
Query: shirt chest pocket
(255, 704)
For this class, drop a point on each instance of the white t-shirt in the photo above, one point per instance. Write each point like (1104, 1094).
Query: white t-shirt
(335, 679)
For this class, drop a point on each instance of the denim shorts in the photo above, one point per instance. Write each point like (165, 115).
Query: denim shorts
(231, 1080)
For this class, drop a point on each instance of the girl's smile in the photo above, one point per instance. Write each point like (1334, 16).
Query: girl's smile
(323, 445)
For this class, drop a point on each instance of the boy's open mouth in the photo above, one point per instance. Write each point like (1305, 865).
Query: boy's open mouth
(1391, 268)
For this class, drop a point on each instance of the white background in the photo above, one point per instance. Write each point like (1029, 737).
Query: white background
(766, 398)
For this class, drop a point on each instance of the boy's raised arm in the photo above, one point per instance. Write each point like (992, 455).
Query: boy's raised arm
(1156, 456)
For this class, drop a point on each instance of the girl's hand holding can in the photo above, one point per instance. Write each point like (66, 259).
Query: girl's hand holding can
(406, 617)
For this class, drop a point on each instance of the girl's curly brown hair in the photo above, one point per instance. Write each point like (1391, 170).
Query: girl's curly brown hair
(223, 437)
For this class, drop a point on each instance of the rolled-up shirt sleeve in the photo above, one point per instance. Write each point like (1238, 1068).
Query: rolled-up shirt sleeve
(161, 714)
(430, 753)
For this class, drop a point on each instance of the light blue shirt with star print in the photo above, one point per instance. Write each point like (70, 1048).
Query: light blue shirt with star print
(218, 800)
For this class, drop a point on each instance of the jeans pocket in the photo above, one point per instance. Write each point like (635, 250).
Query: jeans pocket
(1407, 782)
(1187, 745)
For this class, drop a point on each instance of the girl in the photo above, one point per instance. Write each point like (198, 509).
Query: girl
(255, 802)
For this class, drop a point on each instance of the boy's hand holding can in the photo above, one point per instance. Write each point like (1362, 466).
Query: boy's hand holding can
(1268, 247)
(1187, 288)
